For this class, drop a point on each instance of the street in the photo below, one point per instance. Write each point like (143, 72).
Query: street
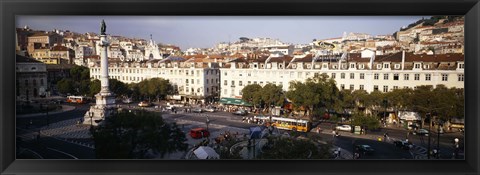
(61, 138)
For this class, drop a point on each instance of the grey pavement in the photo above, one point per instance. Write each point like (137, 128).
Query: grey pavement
(65, 108)
(70, 131)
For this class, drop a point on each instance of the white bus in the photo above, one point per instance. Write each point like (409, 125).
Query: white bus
(77, 99)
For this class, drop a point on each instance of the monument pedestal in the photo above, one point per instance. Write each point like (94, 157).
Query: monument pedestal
(105, 107)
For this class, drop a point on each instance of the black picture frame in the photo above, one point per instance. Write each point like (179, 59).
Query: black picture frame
(9, 9)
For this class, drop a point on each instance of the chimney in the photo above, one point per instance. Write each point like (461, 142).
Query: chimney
(403, 59)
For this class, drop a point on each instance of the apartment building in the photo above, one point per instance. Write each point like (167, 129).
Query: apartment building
(352, 71)
(194, 79)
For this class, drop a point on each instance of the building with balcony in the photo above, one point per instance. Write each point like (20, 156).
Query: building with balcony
(353, 71)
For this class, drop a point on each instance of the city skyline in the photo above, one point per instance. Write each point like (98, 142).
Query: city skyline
(206, 31)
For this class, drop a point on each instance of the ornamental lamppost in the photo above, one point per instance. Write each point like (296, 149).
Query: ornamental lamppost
(385, 111)
(91, 120)
(457, 147)
(207, 122)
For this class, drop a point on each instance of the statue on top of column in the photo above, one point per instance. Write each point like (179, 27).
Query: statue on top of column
(103, 28)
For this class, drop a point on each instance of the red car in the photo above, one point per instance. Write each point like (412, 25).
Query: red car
(198, 133)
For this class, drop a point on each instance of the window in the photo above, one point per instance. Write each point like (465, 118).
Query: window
(352, 87)
(405, 76)
(224, 91)
(386, 66)
(385, 76)
(428, 77)
(352, 75)
(375, 76)
(249, 82)
(379, 66)
(395, 87)
(342, 87)
(397, 66)
(224, 73)
(444, 77)
(460, 77)
(342, 75)
(417, 76)
(299, 74)
(233, 83)
(26, 82)
(224, 82)
(34, 82)
(362, 66)
(375, 87)
(362, 76)
(362, 87)
(352, 65)
(395, 76)
(461, 66)
(240, 83)
(385, 88)
(417, 66)
(333, 75)
(41, 81)
(255, 82)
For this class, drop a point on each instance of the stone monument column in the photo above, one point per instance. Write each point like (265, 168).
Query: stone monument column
(105, 99)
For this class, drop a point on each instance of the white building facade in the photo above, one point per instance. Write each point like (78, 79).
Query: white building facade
(194, 81)
(384, 73)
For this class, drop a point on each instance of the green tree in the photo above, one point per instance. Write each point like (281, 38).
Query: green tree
(252, 94)
(79, 73)
(128, 135)
(94, 87)
(157, 88)
(66, 86)
(319, 92)
(272, 94)
(292, 148)
(369, 121)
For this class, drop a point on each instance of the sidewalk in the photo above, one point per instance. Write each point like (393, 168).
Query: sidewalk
(65, 108)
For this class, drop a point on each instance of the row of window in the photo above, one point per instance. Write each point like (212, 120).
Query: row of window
(34, 82)
(172, 72)
(428, 77)
(240, 83)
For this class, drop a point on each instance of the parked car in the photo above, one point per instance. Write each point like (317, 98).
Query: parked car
(127, 100)
(422, 132)
(403, 144)
(364, 149)
(170, 107)
(144, 104)
(240, 112)
(197, 110)
(198, 133)
(344, 128)
(210, 110)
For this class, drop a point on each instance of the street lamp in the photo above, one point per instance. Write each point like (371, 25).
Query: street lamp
(90, 113)
(429, 116)
(456, 140)
(207, 122)
(385, 111)
(438, 139)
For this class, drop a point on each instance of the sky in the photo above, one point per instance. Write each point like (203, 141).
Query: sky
(206, 31)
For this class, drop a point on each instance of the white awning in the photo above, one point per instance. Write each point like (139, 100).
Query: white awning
(406, 115)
